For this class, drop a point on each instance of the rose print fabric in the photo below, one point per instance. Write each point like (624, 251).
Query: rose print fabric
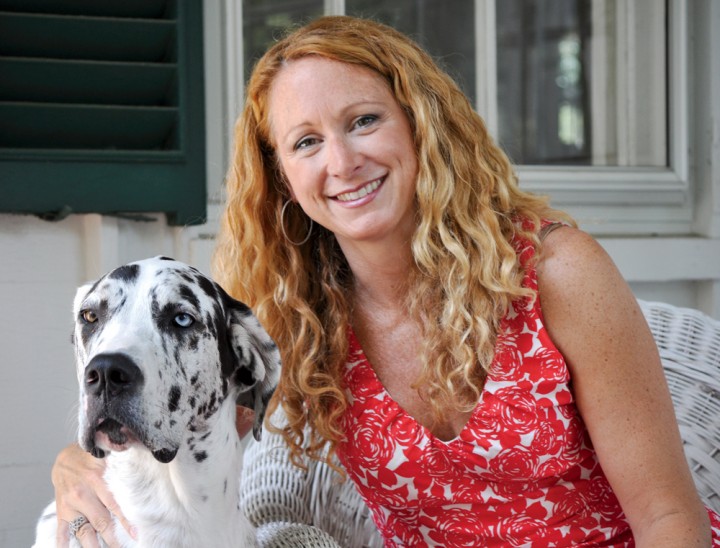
(522, 471)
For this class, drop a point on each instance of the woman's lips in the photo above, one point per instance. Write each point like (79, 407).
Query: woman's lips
(363, 191)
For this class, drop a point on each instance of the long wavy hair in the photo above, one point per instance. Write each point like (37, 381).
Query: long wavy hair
(466, 269)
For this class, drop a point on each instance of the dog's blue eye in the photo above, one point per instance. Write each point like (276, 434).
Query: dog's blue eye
(183, 320)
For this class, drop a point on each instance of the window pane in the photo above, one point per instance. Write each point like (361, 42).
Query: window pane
(445, 29)
(582, 82)
(264, 21)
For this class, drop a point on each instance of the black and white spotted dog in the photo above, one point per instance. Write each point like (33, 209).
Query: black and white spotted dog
(163, 354)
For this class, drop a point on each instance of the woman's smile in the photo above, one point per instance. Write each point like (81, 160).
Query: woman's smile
(353, 197)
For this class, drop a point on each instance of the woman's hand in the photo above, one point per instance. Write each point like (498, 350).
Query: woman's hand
(81, 491)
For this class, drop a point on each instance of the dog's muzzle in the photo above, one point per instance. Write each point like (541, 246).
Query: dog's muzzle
(109, 377)
(112, 383)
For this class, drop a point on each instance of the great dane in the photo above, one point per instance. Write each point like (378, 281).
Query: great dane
(163, 355)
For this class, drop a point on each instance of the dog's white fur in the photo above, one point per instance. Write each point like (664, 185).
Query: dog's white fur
(158, 397)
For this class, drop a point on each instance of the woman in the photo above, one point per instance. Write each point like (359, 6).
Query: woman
(476, 362)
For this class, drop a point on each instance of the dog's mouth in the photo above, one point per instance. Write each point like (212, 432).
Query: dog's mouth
(112, 435)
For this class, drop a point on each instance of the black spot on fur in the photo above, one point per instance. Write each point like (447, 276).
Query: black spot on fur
(177, 354)
(200, 456)
(174, 398)
(164, 258)
(158, 424)
(193, 342)
(187, 277)
(189, 295)
(126, 273)
(208, 287)
(192, 402)
(194, 379)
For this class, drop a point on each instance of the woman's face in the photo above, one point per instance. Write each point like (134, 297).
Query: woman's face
(346, 148)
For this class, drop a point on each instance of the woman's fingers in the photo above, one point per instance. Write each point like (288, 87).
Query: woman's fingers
(81, 491)
(106, 528)
(86, 536)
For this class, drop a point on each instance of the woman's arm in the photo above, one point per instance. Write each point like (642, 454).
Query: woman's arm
(620, 389)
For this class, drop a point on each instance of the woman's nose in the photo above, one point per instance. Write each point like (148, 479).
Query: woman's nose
(343, 157)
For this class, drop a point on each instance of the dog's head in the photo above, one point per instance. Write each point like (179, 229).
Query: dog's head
(159, 348)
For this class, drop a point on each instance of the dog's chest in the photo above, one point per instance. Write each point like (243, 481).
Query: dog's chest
(168, 512)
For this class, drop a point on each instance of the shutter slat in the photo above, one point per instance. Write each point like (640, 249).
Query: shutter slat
(93, 38)
(151, 9)
(62, 81)
(88, 80)
(60, 126)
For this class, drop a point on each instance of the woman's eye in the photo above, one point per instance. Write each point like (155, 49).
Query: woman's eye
(183, 320)
(89, 316)
(365, 121)
(305, 143)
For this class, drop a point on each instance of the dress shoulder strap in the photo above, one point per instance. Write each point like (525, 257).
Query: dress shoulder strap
(547, 229)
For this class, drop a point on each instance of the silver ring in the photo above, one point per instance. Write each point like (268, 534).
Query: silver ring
(76, 524)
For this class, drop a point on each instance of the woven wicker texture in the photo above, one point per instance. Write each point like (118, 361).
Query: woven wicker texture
(689, 345)
(293, 535)
(295, 507)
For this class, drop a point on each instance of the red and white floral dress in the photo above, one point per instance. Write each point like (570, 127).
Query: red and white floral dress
(522, 472)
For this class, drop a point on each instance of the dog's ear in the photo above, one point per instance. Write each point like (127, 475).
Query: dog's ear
(256, 368)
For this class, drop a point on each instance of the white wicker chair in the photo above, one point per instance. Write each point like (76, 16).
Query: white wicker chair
(689, 345)
(293, 507)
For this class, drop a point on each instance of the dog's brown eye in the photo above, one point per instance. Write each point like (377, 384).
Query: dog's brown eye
(183, 320)
(89, 316)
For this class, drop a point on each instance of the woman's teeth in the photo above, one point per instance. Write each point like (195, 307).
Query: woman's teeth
(356, 195)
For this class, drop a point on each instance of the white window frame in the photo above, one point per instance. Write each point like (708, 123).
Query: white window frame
(605, 200)
(611, 200)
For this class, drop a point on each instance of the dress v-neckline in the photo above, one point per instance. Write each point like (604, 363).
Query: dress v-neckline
(382, 391)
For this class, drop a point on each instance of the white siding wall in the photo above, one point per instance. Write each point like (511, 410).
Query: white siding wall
(42, 263)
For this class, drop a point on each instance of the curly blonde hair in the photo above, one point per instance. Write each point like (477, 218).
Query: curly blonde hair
(467, 271)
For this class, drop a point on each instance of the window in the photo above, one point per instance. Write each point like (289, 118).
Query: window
(576, 86)
(102, 108)
(587, 97)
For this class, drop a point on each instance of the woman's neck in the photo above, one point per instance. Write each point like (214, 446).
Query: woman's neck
(380, 273)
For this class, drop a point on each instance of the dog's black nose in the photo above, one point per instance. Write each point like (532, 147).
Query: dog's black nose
(113, 375)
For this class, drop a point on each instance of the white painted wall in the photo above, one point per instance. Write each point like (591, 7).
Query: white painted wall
(42, 263)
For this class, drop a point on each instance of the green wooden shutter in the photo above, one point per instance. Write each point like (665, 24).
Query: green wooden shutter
(102, 108)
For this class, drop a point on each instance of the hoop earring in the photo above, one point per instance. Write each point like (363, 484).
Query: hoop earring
(282, 226)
